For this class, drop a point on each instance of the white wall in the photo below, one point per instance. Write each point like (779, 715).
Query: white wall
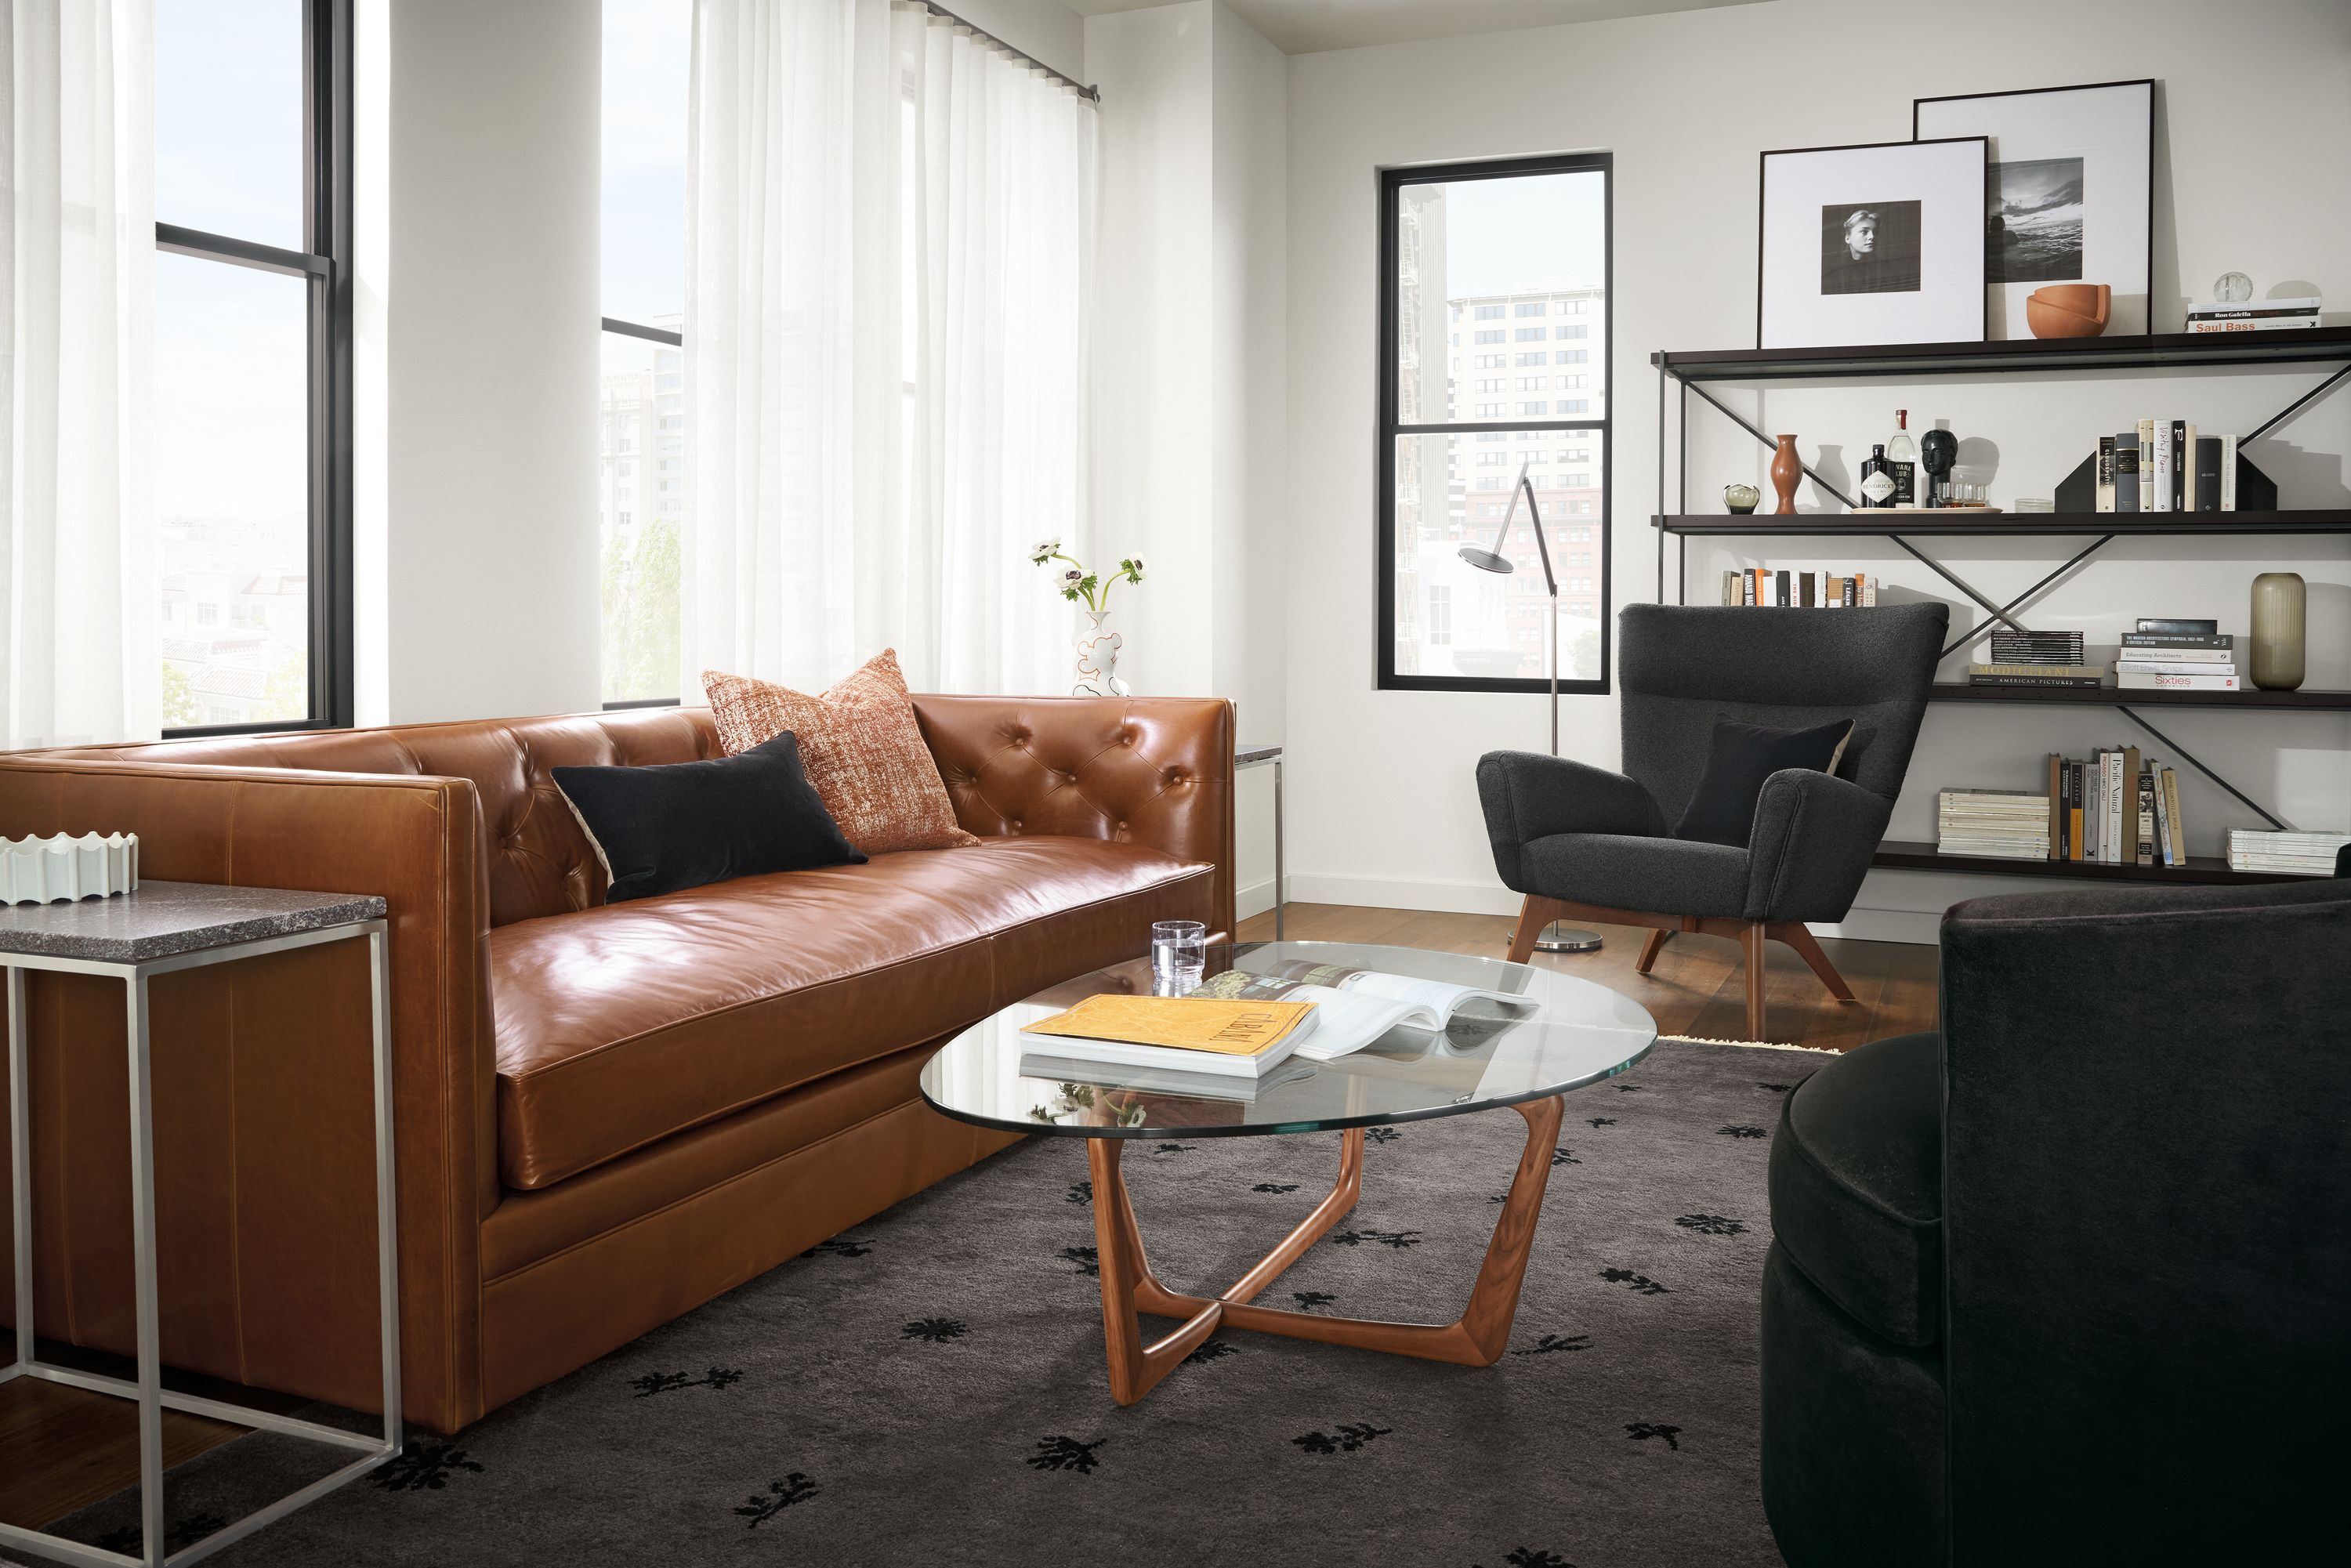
(2252, 124)
(477, 311)
(1190, 461)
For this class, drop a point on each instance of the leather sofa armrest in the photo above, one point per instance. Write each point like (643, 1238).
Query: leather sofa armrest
(1528, 795)
(1811, 845)
(1148, 771)
(416, 841)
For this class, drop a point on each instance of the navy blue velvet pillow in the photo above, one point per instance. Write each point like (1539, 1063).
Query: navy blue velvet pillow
(683, 824)
(1737, 761)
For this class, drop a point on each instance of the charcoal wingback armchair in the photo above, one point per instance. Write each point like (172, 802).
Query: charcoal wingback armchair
(1580, 842)
(2071, 1281)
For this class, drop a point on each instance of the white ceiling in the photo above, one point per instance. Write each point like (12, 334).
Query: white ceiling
(1303, 27)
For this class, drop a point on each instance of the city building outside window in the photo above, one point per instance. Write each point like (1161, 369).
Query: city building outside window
(1514, 239)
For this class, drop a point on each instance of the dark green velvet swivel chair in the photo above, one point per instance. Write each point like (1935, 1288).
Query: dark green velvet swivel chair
(2071, 1282)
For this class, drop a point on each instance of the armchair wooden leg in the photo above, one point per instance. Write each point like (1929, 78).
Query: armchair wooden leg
(1793, 933)
(1649, 951)
(1533, 915)
(1750, 946)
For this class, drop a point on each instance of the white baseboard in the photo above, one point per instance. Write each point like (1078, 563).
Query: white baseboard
(1254, 899)
(1378, 893)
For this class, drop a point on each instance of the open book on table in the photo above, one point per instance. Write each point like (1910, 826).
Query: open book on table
(1354, 1007)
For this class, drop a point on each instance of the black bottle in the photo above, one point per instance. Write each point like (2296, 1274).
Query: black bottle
(1877, 478)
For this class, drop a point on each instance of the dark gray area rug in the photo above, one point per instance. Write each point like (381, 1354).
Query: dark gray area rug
(929, 1387)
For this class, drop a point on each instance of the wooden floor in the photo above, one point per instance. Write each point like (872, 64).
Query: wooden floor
(62, 1449)
(1695, 987)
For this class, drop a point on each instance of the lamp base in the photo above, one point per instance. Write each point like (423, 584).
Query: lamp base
(1558, 938)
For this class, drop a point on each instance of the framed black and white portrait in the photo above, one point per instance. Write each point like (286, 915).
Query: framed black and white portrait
(1879, 244)
(2070, 195)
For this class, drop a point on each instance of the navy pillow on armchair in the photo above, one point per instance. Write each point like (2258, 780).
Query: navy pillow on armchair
(1737, 761)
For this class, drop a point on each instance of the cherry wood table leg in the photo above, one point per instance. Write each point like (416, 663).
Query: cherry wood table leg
(1477, 1338)
(1135, 1368)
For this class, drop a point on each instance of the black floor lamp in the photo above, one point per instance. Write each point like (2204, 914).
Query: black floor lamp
(1556, 938)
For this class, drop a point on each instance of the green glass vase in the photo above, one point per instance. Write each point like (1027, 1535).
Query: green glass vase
(2281, 630)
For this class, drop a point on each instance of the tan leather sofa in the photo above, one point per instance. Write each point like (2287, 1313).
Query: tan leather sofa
(605, 1115)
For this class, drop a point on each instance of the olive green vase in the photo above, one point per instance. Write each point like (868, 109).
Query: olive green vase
(2281, 630)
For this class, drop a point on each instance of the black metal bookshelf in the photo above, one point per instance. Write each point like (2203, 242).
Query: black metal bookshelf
(1961, 524)
(2162, 353)
(2199, 869)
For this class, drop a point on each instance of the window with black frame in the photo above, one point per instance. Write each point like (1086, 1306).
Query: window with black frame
(1494, 363)
(252, 484)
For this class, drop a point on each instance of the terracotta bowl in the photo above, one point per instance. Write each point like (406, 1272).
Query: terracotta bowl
(2069, 309)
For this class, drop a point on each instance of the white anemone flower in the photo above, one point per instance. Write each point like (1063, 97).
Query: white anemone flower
(1073, 576)
(1135, 569)
(1044, 551)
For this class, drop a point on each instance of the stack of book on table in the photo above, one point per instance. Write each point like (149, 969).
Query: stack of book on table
(2036, 659)
(2253, 315)
(2167, 466)
(1240, 1032)
(2175, 655)
(1778, 587)
(1996, 824)
(2292, 855)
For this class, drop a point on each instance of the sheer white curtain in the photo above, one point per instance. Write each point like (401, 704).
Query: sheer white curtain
(889, 234)
(77, 360)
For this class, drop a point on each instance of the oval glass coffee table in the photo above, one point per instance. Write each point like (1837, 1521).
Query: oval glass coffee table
(1570, 1033)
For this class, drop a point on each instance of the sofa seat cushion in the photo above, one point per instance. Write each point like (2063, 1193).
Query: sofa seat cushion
(1856, 1179)
(1621, 871)
(622, 1025)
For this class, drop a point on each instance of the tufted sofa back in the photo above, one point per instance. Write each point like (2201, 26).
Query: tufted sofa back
(1141, 769)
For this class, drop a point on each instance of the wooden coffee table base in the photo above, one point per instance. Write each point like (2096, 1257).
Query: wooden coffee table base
(1129, 1289)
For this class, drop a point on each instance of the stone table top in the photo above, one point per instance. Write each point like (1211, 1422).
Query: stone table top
(165, 918)
(1245, 754)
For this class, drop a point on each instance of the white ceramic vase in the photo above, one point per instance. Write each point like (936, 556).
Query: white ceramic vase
(1097, 648)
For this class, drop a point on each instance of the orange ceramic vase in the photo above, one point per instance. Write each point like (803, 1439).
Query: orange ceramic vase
(2069, 309)
(1786, 470)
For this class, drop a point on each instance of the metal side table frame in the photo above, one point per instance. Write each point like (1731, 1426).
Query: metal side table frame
(1259, 757)
(153, 1400)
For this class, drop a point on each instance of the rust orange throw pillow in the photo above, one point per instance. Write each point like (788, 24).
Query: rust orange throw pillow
(862, 747)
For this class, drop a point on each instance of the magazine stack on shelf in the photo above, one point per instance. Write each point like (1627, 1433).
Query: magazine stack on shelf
(2036, 659)
(1996, 824)
(2291, 854)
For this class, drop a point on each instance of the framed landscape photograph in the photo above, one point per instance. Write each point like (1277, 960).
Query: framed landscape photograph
(1877, 244)
(2070, 195)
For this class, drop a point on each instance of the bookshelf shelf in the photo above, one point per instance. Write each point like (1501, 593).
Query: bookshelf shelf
(2006, 525)
(2083, 534)
(2200, 870)
(2158, 351)
(2114, 696)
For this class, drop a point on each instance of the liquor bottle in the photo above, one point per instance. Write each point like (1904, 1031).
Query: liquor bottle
(1876, 484)
(1902, 458)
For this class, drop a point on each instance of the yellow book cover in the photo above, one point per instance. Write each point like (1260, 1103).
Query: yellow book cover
(1227, 1028)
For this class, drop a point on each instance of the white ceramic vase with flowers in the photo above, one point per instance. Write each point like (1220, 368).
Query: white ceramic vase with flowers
(1097, 645)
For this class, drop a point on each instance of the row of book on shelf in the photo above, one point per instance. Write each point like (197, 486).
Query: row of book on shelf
(2112, 808)
(1779, 587)
(2163, 656)
(2167, 466)
(2254, 315)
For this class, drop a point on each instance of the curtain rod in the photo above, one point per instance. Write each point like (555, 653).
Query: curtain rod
(1092, 95)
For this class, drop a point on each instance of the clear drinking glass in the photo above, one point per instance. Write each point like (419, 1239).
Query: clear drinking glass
(1179, 954)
